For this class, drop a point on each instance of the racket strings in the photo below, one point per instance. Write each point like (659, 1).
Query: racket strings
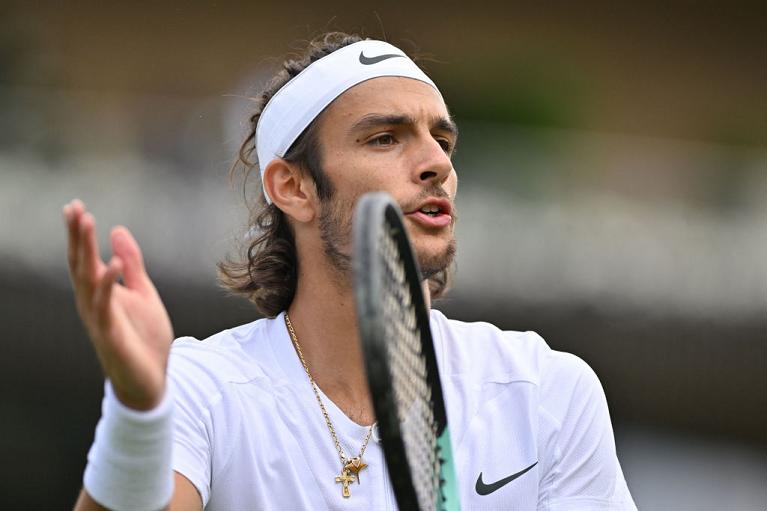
(409, 373)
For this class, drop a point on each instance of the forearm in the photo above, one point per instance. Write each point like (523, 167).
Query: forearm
(86, 503)
(129, 463)
(185, 498)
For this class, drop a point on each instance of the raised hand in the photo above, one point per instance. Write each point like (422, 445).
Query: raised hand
(127, 323)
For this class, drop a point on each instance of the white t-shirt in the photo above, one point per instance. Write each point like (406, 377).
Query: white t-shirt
(250, 435)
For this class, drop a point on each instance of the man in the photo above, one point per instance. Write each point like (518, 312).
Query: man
(275, 414)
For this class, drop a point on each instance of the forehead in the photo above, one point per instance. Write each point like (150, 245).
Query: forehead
(386, 95)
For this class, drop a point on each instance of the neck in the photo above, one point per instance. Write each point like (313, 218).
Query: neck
(325, 323)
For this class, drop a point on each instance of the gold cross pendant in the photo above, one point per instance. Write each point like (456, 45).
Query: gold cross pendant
(355, 465)
(345, 479)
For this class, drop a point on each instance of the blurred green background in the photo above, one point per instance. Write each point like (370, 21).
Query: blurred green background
(613, 197)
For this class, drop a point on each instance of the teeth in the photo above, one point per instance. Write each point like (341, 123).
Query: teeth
(430, 209)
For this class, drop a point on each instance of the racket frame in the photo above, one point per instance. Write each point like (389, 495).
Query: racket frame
(376, 211)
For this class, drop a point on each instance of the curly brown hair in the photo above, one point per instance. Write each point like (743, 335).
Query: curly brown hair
(266, 270)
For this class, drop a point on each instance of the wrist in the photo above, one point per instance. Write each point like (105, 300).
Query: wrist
(134, 401)
(113, 404)
(129, 464)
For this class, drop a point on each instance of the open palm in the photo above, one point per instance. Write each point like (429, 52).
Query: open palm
(127, 323)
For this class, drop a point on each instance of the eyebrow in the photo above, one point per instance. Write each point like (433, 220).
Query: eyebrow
(374, 120)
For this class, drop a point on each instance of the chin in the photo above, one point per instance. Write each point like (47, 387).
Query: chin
(433, 260)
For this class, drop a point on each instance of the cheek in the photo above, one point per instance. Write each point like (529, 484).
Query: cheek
(365, 178)
(353, 171)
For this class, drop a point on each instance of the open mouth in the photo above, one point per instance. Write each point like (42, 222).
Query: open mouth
(434, 213)
(431, 210)
(435, 207)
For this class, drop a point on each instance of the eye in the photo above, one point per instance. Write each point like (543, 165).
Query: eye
(383, 140)
(446, 145)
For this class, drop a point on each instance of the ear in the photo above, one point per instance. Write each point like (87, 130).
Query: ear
(290, 189)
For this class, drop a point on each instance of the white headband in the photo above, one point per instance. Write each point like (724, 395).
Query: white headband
(305, 96)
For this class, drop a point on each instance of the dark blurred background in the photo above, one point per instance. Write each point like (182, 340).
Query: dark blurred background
(613, 167)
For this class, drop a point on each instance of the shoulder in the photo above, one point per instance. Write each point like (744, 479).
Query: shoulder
(236, 355)
(482, 349)
(505, 379)
(480, 354)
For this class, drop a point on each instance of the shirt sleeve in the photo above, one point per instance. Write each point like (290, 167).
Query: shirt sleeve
(195, 393)
(583, 472)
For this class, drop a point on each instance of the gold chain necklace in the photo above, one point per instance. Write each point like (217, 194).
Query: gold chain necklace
(350, 467)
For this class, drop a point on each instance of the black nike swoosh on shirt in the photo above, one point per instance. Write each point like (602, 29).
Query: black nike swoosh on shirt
(487, 489)
(375, 60)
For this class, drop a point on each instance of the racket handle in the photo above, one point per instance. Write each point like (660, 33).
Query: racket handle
(448, 479)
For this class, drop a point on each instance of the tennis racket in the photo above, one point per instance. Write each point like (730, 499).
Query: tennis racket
(399, 359)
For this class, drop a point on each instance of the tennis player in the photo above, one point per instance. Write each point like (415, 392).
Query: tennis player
(275, 414)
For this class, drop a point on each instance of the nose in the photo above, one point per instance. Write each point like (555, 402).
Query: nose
(434, 163)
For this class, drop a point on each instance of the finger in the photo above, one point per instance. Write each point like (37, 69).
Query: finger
(90, 266)
(126, 247)
(102, 295)
(72, 213)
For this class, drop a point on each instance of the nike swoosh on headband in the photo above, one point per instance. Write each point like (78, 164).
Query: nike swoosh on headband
(487, 489)
(375, 60)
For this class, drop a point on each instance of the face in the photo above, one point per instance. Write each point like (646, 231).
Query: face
(394, 135)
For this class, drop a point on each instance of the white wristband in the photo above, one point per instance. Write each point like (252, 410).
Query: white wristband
(129, 464)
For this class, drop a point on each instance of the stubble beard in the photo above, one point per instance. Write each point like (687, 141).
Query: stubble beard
(434, 264)
(335, 223)
(335, 233)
